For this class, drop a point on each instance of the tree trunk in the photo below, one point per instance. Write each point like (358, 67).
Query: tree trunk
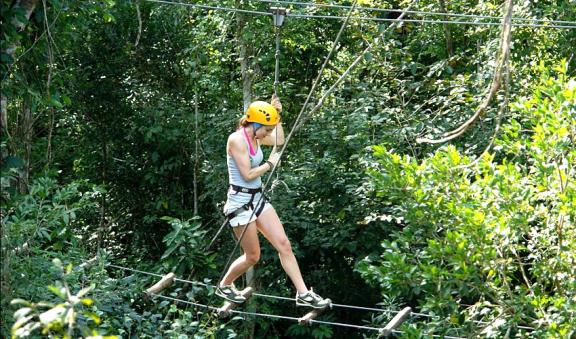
(103, 202)
(447, 33)
(29, 6)
(196, 152)
(3, 112)
(50, 133)
(27, 135)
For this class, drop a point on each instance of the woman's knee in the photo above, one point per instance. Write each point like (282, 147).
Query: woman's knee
(252, 257)
(284, 246)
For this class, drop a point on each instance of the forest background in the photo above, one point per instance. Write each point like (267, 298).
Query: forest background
(114, 121)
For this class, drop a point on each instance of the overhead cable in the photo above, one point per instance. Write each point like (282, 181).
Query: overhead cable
(473, 23)
(227, 9)
(393, 10)
(569, 25)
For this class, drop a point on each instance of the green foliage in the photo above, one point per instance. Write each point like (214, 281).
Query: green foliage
(319, 332)
(70, 317)
(498, 234)
(184, 246)
(49, 218)
(47, 214)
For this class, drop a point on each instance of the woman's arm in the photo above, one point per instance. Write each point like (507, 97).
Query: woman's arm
(275, 138)
(277, 135)
(237, 149)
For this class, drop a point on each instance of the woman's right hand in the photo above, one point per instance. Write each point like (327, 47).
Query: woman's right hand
(274, 158)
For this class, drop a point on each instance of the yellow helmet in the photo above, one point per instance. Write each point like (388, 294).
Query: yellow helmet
(262, 113)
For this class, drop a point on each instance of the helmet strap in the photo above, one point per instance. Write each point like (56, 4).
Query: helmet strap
(255, 126)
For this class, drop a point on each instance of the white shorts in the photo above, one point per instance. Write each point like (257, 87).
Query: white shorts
(237, 200)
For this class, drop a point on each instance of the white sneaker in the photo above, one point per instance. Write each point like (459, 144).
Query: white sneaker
(312, 299)
(230, 293)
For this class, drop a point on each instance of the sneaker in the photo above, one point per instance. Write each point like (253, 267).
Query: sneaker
(230, 293)
(312, 299)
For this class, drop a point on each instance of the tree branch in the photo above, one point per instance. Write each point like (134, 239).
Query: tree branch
(496, 81)
(139, 22)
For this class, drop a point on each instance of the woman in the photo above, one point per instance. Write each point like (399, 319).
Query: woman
(247, 208)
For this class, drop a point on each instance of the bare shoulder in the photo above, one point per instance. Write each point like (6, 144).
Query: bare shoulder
(235, 142)
(234, 138)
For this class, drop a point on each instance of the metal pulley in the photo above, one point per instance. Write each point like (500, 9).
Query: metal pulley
(278, 15)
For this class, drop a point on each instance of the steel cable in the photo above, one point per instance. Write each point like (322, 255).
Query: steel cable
(567, 25)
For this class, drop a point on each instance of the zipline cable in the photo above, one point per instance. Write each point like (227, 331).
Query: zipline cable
(227, 9)
(572, 25)
(278, 20)
(473, 23)
(277, 57)
(392, 10)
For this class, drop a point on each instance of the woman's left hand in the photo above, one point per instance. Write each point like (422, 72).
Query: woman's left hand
(276, 103)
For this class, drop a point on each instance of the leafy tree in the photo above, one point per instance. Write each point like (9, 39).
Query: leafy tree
(496, 234)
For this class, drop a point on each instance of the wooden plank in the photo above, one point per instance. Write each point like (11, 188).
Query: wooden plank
(228, 306)
(308, 317)
(165, 282)
(395, 322)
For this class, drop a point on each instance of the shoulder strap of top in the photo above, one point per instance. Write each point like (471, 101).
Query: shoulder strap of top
(252, 150)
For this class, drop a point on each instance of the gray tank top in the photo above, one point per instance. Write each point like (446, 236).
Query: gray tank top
(256, 157)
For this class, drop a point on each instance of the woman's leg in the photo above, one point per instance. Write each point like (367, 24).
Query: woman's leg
(251, 247)
(271, 227)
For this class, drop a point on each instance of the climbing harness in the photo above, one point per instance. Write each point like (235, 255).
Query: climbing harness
(249, 206)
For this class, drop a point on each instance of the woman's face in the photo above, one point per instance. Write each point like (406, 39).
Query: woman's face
(264, 131)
